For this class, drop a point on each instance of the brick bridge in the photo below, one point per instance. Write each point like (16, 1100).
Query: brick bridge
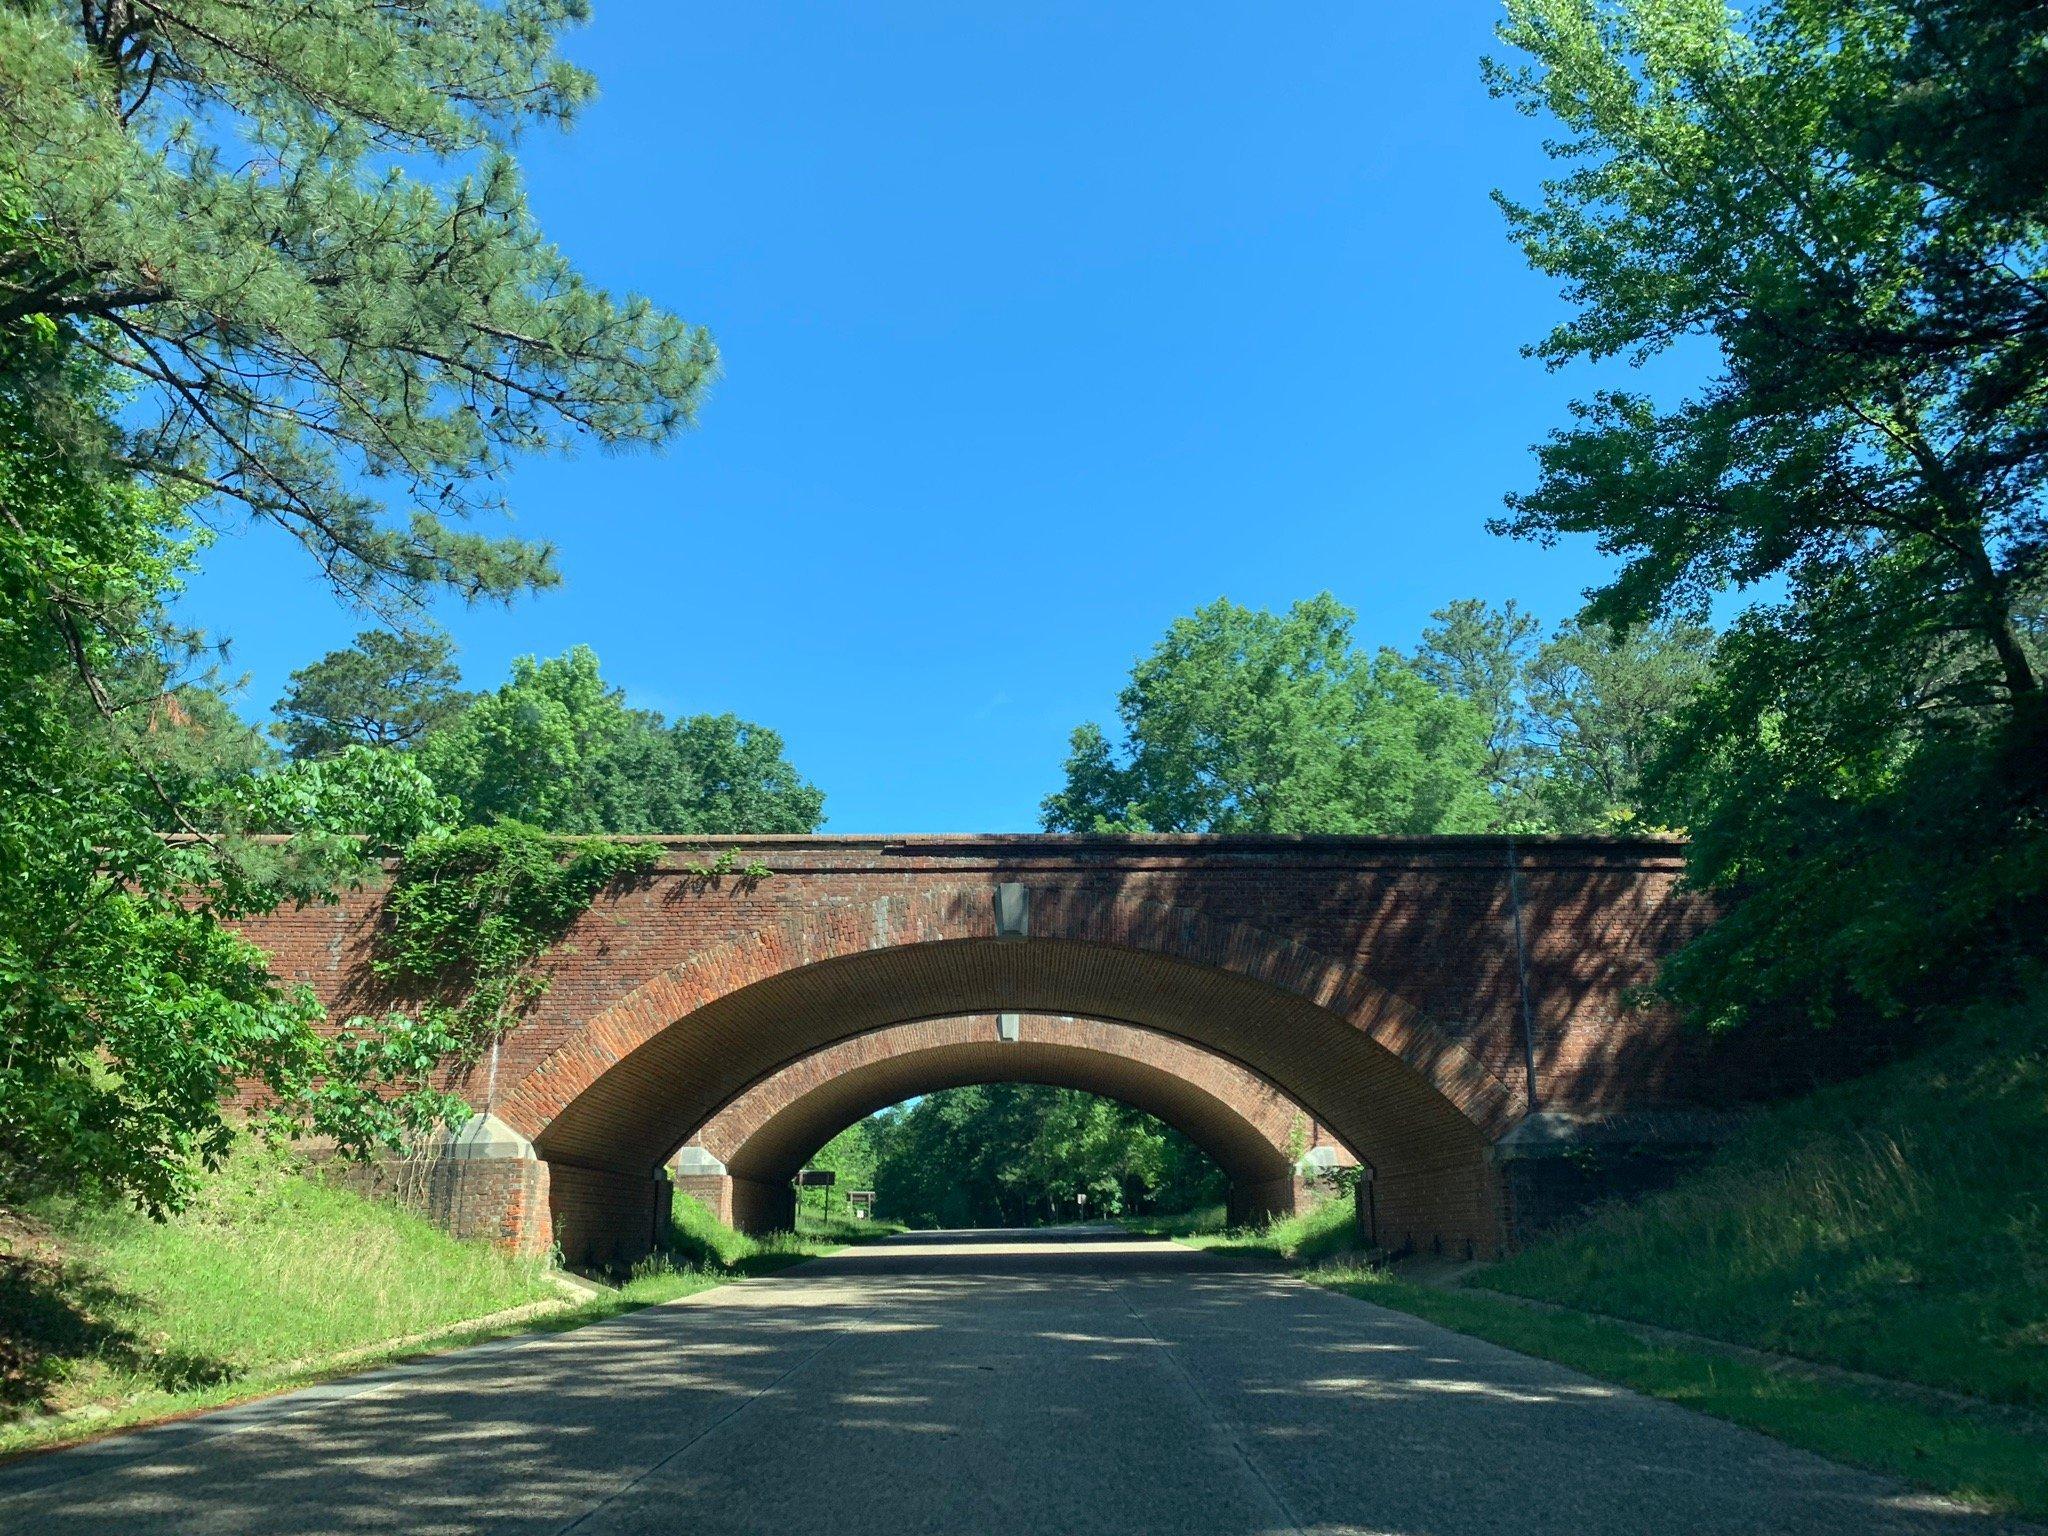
(1450, 1012)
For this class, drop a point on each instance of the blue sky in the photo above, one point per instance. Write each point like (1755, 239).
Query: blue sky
(1041, 324)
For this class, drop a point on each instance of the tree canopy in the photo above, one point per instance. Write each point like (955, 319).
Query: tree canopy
(1241, 720)
(266, 263)
(557, 747)
(127, 1009)
(1008, 1154)
(1820, 202)
(384, 689)
(296, 240)
(1576, 718)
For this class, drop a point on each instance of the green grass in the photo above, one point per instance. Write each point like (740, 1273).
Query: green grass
(1897, 1224)
(1324, 1231)
(273, 1280)
(700, 1242)
(106, 1314)
(838, 1228)
(1208, 1221)
(1992, 1459)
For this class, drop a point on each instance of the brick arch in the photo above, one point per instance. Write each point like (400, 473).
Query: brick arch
(1248, 1127)
(605, 1108)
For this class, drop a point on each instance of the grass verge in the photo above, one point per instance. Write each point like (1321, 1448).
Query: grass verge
(272, 1280)
(1987, 1458)
(1897, 1224)
(844, 1229)
(1324, 1231)
(107, 1316)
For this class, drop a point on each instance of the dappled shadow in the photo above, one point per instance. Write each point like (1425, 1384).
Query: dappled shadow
(1081, 1383)
(55, 1316)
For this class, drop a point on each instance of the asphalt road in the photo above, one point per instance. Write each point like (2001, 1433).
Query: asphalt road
(970, 1382)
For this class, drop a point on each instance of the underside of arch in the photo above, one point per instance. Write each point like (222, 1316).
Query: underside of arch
(609, 1114)
(1252, 1131)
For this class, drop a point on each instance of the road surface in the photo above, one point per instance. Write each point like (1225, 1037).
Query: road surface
(1035, 1384)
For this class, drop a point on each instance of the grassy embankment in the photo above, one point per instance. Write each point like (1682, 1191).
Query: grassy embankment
(1896, 1225)
(1324, 1231)
(271, 1280)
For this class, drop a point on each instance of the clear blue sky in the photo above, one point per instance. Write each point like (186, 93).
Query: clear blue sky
(1042, 324)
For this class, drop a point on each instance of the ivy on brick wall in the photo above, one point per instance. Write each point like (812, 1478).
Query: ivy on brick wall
(475, 910)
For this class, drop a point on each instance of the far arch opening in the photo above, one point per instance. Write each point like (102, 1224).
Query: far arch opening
(741, 1161)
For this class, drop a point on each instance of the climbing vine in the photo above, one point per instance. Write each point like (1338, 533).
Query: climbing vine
(728, 863)
(473, 912)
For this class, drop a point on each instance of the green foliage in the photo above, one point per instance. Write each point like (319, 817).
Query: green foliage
(558, 748)
(1327, 1230)
(1893, 1224)
(471, 915)
(1861, 278)
(1246, 721)
(381, 690)
(698, 1240)
(1010, 1154)
(854, 1156)
(185, 737)
(127, 1010)
(728, 863)
(1602, 703)
(377, 801)
(104, 1309)
(1576, 719)
(733, 778)
(222, 275)
(299, 238)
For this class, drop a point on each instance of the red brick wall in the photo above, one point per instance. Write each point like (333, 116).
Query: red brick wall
(1374, 980)
(503, 1201)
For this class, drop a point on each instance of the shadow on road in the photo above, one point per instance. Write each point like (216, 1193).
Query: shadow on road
(1075, 1380)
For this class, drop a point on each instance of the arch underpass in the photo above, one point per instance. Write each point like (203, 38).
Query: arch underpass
(741, 1161)
(606, 1112)
(1441, 1006)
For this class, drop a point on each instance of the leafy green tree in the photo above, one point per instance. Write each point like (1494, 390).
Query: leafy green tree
(1243, 720)
(543, 749)
(379, 797)
(247, 214)
(127, 1008)
(559, 748)
(1603, 707)
(852, 1157)
(280, 259)
(1861, 277)
(1484, 654)
(1576, 717)
(384, 689)
(1010, 1154)
(737, 781)
(183, 741)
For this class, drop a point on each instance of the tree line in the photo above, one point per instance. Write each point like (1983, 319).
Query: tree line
(1018, 1154)
(278, 268)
